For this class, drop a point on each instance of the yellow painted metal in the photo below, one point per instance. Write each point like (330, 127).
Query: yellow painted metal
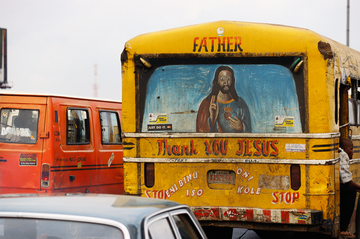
(130, 178)
(129, 92)
(180, 179)
(182, 163)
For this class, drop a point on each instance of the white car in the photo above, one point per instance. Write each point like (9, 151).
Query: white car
(97, 216)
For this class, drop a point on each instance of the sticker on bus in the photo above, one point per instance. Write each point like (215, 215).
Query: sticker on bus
(284, 121)
(28, 159)
(157, 118)
(159, 127)
(295, 148)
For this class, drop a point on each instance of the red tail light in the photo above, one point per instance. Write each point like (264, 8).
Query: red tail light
(295, 176)
(149, 175)
(45, 175)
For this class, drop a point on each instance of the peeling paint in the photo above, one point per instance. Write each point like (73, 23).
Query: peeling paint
(274, 182)
(325, 50)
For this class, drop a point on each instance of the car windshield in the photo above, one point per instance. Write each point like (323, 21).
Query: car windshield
(11, 228)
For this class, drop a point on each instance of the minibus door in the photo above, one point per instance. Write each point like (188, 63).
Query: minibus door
(21, 147)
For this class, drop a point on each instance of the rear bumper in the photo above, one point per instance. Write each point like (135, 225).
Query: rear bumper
(241, 214)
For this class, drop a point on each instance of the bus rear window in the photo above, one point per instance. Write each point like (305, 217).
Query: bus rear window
(19, 126)
(223, 98)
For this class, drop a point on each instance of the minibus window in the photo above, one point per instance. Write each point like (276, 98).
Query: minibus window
(78, 128)
(19, 126)
(110, 127)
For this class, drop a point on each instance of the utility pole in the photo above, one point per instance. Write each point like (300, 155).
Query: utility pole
(95, 84)
(3, 59)
(348, 23)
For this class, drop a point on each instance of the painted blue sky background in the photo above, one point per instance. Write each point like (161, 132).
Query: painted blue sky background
(268, 90)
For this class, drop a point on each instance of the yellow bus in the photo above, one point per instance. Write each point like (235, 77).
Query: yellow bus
(241, 121)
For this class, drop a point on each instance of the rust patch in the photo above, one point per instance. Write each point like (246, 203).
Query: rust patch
(274, 182)
(325, 50)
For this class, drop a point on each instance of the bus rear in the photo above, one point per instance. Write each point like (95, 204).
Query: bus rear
(236, 120)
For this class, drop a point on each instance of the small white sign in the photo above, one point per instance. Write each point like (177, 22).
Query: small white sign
(295, 148)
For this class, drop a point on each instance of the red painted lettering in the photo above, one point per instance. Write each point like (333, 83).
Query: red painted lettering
(247, 148)
(207, 147)
(296, 195)
(177, 150)
(216, 147)
(223, 147)
(160, 194)
(237, 44)
(225, 44)
(281, 197)
(276, 199)
(265, 148)
(195, 45)
(288, 198)
(229, 43)
(212, 43)
(221, 44)
(273, 146)
(257, 147)
(241, 144)
(203, 44)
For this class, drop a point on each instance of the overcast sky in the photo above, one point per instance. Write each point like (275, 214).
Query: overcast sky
(53, 45)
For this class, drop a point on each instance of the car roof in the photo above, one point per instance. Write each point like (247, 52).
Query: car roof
(128, 210)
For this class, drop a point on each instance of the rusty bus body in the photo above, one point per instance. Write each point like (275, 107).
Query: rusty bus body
(266, 159)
